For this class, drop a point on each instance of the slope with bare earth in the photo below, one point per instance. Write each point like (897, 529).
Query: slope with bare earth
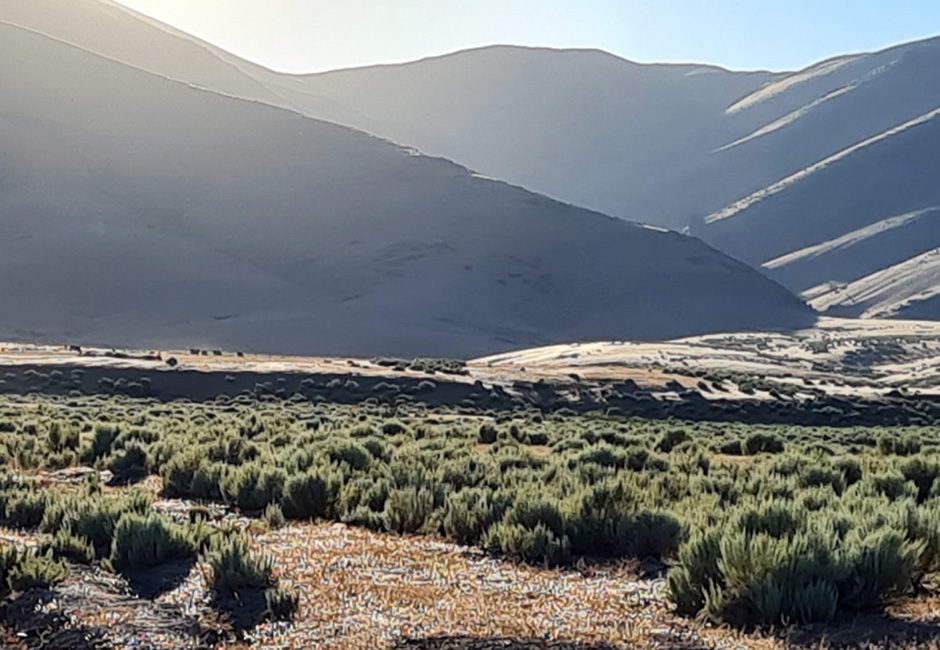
(141, 211)
(581, 125)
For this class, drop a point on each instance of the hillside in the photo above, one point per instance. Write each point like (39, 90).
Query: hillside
(806, 162)
(857, 233)
(598, 141)
(144, 212)
(829, 172)
(843, 147)
(580, 125)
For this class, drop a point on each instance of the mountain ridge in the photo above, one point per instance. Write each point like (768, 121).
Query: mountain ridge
(149, 212)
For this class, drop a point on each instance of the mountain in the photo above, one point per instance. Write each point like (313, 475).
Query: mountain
(824, 178)
(139, 210)
(581, 126)
(853, 223)
(821, 178)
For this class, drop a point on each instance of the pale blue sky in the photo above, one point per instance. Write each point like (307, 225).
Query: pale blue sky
(316, 35)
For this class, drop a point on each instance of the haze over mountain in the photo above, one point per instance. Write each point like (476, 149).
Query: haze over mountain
(844, 151)
(140, 210)
(825, 178)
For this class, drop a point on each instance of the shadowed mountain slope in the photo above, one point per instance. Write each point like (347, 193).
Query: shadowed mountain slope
(761, 166)
(866, 208)
(136, 210)
(826, 149)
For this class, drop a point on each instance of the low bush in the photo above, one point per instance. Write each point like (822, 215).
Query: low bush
(32, 570)
(274, 516)
(253, 486)
(838, 517)
(234, 567)
(66, 546)
(310, 495)
(407, 509)
(144, 541)
(281, 603)
(769, 567)
(25, 509)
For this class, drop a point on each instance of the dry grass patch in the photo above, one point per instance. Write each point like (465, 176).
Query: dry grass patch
(364, 590)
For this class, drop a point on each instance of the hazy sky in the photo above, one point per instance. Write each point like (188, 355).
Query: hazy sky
(315, 35)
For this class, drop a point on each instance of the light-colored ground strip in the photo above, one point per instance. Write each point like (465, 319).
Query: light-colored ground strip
(793, 116)
(847, 240)
(787, 119)
(814, 353)
(775, 88)
(884, 293)
(783, 184)
(912, 350)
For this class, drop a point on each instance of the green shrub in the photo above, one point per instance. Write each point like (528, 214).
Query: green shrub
(922, 473)
(60, 460)
(487, 434)
(890, 484)
(129, 463)
(732, 448)
(754, 579)
(101, 443)
(672, 439)
(144, 541)
(67, 546)
(778, 520)
(252, 487)
(470, 512)
(823, 476)
(851, 470)
(899, 445)
(762, 443)
(178, 474)
(393, 428)
(281, 603)
(61, 437)
(407, 509)
(25, 510)
(274, 516)
(234, 567)
(35, 571)
(354, 455)
(698, 570)
(310, 495)
(363, 492)
(96, 522)
(538, 544)
(655, 534)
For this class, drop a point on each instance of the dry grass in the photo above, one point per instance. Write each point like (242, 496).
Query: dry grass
(363, 590)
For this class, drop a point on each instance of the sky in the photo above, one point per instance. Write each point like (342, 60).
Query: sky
(319, 35)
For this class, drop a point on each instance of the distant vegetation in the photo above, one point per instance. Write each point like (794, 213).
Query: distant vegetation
(444, 366)
(761, 524)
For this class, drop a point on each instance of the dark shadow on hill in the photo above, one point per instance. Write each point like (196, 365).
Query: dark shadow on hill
(866, 631)
(32, 626)
(158, 580)
(497, 643)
